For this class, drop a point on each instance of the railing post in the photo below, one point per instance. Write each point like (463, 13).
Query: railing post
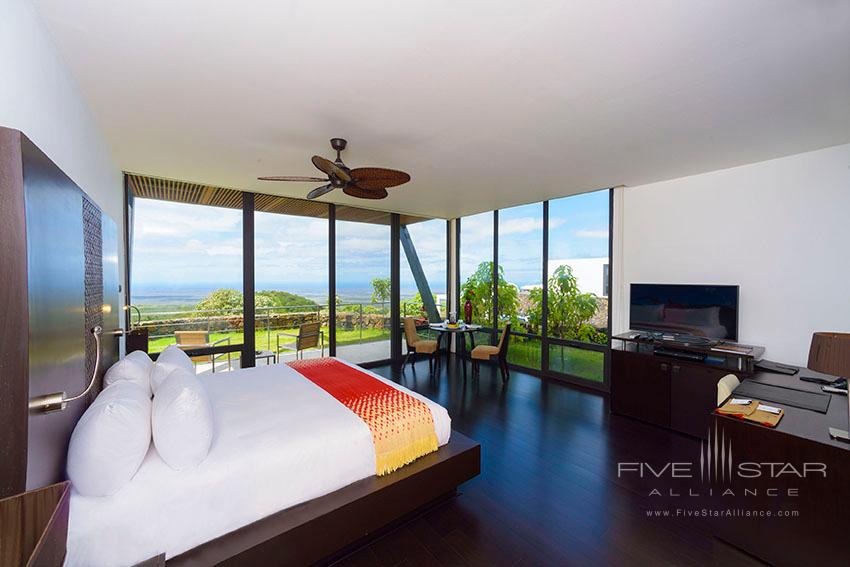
(268, 328)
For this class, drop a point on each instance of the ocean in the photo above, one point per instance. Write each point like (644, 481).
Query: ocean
(150, 295)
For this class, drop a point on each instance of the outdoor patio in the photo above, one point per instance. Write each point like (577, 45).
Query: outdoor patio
(359, 352)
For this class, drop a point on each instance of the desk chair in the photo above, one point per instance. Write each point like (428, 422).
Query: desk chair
(418, 345)
(497, 353)
(309, 336)
(725, 386)
(187, 340)
(830, 353)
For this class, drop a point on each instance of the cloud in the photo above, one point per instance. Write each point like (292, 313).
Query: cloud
(522, 225)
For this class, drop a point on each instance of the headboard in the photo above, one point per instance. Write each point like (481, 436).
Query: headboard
(62, 254)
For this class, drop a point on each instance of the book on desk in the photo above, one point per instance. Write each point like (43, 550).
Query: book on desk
(752, 410)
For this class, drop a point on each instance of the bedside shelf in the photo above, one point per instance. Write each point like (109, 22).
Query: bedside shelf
(34, 527)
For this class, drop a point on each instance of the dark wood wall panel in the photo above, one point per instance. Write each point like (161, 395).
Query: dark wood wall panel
(13, 306)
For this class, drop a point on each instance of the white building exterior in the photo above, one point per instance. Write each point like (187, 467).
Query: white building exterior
(590, 273)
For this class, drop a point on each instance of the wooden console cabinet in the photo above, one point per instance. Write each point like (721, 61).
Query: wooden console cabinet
(670, 392)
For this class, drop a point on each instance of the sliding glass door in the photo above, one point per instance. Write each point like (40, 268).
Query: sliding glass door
(291, 274)
(363, 287)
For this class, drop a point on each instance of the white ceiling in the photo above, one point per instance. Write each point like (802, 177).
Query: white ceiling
(486, 104)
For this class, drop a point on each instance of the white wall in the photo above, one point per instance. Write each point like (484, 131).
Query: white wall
(39, 97)
(778, 228)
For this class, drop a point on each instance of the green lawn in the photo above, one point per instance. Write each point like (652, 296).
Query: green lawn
(522, 351)
(588, 364)
(267, 341)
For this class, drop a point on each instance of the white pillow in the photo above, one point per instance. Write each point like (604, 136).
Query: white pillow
(110, 440)
(182, 420)
(135, 367)
(168, 361)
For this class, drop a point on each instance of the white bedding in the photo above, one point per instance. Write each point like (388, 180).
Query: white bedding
(279, 440)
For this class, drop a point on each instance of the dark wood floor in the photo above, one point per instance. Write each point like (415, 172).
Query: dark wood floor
(548, 493)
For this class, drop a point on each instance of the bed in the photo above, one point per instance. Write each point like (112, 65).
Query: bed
(280, 441)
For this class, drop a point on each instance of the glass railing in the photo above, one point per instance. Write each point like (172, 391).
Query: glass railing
(362, 329)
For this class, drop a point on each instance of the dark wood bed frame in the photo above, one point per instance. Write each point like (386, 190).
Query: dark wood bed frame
(46, 350)
(325, 528)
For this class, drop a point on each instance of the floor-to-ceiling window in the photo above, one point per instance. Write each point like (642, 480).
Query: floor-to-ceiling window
(520, 284)
(560, 325)
(291, 278)
(363, 285)
(578, 285)
(423, 270)
(187, 276)
(476, 272)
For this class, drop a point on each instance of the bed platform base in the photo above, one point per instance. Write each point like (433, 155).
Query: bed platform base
(322, 529)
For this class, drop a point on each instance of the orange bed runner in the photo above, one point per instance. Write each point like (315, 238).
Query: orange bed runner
(402, 426)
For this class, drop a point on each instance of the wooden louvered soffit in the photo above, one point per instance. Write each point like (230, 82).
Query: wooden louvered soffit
(146, 187)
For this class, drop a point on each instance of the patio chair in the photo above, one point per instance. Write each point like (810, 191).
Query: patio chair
(418, 345)
(498, 354)
(188, 340)
(310, 335)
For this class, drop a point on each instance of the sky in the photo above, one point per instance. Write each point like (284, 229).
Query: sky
(578, 228)
(177, 246)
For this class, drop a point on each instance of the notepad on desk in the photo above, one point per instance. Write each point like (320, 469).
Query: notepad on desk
(755, 411)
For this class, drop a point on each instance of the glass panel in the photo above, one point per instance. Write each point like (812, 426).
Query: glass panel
(476, 267)
(578, 267)
(525, 351)
(291, 271)
(428, 241)
(363, 291)
(580, 362)
(521, 279)
(187, 275)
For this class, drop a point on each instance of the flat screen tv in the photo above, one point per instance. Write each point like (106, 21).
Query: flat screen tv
(709, 311)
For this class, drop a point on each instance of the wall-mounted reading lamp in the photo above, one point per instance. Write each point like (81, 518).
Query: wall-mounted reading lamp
(138, 313)
(57, 401)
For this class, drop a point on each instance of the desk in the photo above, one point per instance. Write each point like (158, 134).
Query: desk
(460, 331)
(819, 535)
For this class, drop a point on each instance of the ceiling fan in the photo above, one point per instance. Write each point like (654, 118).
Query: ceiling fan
(361, 182)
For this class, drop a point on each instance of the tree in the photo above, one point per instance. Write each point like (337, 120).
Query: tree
(229, 301)
(414, 307)
(275, 298)
(221, 301)
(569, 308)
(380, 290)
(478, 289)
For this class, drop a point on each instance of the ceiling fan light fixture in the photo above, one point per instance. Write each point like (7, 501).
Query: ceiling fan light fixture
(363, 182)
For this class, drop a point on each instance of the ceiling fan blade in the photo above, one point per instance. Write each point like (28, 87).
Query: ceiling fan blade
(330, 168)
(291, 178)
(319, 191)
(378, 177)
(361, 193)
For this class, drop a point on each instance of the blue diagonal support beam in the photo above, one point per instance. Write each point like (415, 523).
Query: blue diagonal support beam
(419, 275)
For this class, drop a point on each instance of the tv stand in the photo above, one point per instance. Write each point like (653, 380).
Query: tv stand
(673, 383)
